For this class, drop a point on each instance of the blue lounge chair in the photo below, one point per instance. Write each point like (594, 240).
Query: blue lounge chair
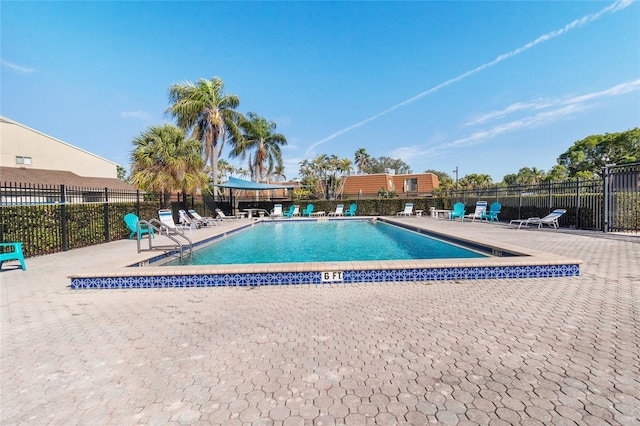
(132, 223)
(16, 254)
(458, 211)
(352, 210)
(290, 212)
(308, 211)
(492, 214)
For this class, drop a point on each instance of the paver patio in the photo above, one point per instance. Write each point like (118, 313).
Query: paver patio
(509, 351)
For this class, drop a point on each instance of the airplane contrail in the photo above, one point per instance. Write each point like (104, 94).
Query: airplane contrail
(612, 8)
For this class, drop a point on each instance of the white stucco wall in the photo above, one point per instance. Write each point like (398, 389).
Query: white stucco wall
(49, 153)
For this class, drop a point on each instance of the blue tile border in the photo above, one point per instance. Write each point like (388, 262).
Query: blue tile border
(349, 277)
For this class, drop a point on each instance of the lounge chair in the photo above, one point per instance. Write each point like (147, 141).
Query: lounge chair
(132, 223)
(338, 212)
(206, 221)
(277, 211)
(293, 211)
(458, 211)
(168, 225)
(308, 211)
(16, 254)
(408, 210)
(551, 220)
(186, 220)
(352, 210)
(222, 216)
(492, 214)
(481, 206)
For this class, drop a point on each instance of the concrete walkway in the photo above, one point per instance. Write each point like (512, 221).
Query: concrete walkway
(517, 351)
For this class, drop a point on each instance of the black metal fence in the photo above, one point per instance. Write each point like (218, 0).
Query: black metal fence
(621, 194)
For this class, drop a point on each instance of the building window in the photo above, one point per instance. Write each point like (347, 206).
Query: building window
(411, 185)
(23, 160)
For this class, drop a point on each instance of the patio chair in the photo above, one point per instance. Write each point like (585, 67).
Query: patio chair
(206, 221)
(308, 210)
(293, 211)
(551, 220)
(492, 214)
(132, 223)
(15, 254)
(458, 211)
(168, 225)
(338, 212)
(277, 211)
(481, 206)
(352, 210)
(408, 210)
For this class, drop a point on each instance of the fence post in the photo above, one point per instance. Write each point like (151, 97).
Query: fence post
(63, 219)
(605, 193)
(578, 203)
(106, 216)
(551, 206)
(138, 202)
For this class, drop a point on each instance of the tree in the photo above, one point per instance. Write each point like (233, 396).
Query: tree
(209, 114)
(362, 160)
(380, 164)
(587, 157)
(263, 145)
(324, 173)
(474, 180)
(164, 161)
(446, 181)
(122, 173)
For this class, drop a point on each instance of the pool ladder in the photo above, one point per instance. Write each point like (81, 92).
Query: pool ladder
(174, 234)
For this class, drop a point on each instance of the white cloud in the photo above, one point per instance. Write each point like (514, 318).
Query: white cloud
(19, 68)
(614, 7)
(139, 115)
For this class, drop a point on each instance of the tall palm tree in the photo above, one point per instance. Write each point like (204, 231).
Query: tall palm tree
(262, 143)
(362, 159)
(164, 161)
(209, 114)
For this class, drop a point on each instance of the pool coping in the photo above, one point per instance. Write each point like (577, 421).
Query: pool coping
(520, 263)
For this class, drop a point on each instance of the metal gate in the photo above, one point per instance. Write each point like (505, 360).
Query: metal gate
(622, 197)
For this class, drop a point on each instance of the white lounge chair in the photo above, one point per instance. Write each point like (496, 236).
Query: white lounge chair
(223, 216)
(408, 210)
(168, 225)
(277, 211)
(206, 221)
(481, 207)
(339, 211)
(551, 220)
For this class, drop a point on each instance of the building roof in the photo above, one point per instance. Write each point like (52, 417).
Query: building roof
(23, 175)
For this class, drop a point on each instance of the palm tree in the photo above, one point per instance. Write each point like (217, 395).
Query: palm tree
(362, 159)
(164, 161)
(262, 143)
(209, 114)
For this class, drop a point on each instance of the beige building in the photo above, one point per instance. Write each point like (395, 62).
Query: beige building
(23, 147)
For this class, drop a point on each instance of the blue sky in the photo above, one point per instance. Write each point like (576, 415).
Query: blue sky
(489, 87)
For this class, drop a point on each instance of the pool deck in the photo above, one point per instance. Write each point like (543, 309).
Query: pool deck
(508, 351)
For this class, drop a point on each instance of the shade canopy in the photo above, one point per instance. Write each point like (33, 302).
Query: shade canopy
(235, 183)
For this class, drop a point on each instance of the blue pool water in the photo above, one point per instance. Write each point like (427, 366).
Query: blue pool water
(328, 241)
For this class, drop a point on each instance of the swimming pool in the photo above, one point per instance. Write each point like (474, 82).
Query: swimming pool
(328, 241)
(505, 262)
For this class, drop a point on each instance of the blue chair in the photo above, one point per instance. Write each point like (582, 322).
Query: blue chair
(16, 254)
(458, 211)
(492, 214)
(308, 211)
(132, 223)
(351, 211)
